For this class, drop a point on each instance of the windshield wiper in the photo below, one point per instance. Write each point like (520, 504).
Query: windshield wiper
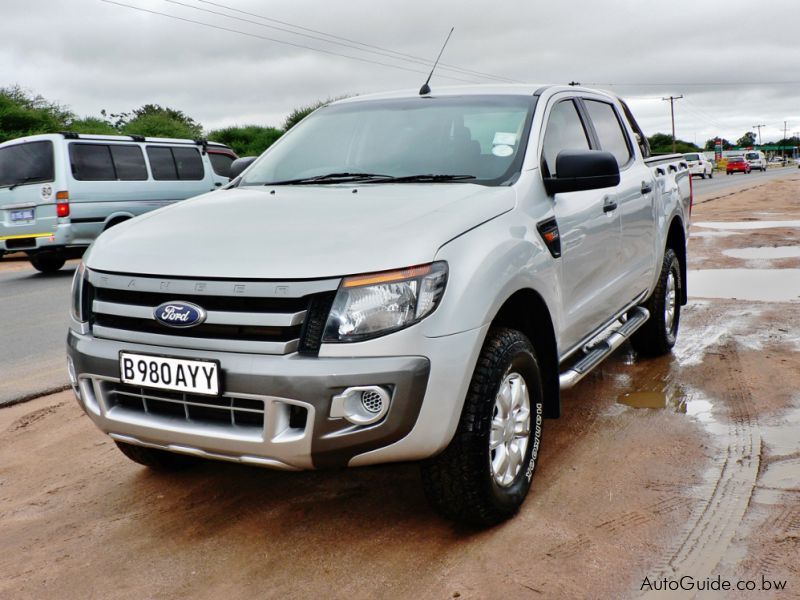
(24, 180)
(332, 178)
(427, 178)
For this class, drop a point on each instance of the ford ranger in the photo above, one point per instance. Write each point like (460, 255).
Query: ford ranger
(401, 277)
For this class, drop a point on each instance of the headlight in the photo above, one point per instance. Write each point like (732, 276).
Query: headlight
(80, 296)
(371, 305)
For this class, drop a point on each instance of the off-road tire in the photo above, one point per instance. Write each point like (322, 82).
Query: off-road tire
(47, 262)
(159, 460)
(459, 483)
(655, 338)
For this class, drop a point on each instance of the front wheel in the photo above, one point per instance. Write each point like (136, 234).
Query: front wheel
(484, 474)
(657, 336)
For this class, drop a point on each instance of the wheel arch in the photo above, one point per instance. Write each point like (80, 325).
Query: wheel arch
(116, 219)
(676, 239)
(526, 311)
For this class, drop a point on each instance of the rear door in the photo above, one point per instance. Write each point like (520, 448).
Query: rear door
(590, 233)
(27, 192)
(634, 197)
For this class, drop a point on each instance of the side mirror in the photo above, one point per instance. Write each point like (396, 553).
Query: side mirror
(239, 165)
(579, 170)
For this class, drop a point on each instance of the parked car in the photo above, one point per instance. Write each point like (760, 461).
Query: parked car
(58, 192)
(737, 164)
(393, 287)
(756, 160)
(699, 165)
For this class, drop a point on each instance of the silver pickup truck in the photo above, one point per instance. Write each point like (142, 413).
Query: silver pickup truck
(400, 277)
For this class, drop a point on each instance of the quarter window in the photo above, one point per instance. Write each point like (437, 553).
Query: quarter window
(564, 132)
(609, 130)
(221, 163)
(170, 163)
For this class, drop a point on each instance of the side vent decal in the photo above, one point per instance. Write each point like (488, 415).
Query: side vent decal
(548, 229)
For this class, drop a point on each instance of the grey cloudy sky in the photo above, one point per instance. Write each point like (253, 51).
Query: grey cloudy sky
(735, 62)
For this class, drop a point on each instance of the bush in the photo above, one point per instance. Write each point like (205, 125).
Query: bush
(247, 140)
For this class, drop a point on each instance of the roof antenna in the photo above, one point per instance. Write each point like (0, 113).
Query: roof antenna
(426, 89)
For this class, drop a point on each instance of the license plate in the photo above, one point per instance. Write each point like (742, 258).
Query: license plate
(22, 215)
(165, 373)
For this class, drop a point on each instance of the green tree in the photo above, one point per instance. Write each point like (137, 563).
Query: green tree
(92, 125)
(247, 140)
(156, 121)
(711, 144)
(22, 113)
(661, 143)
(748, 139)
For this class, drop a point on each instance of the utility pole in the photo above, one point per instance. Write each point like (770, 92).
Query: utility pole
(759, 132)
(783, 145)
(672, 115)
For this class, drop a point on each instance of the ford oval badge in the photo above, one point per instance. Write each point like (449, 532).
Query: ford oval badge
(179, 314)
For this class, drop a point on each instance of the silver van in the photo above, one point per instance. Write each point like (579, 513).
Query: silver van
(58, 192)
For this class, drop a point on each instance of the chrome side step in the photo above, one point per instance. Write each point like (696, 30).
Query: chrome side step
(596, 352)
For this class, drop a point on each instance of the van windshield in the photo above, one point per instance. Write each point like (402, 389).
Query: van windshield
(477, 139)
(30, 162)
(691, 157)
(752, 155)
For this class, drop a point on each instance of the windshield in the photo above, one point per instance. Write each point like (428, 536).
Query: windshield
(26, 163)
(478, 139)
(691, 157)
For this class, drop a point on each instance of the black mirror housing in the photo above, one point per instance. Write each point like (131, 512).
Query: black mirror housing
(240, 164)
(580, 170)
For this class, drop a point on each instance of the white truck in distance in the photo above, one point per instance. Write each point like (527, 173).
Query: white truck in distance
(400, 277)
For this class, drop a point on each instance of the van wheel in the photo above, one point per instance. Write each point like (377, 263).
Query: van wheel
(47, 262)
(484, 474)
(159, 460)
(657, 336)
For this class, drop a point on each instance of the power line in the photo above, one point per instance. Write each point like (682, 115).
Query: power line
(343, 41)
(269, 39)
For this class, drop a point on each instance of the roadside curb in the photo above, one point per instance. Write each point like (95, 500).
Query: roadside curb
(33, 396)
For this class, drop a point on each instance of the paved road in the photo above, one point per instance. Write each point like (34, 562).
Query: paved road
(705, 189)
(32, 331)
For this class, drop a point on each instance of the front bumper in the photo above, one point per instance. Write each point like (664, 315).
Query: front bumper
(281, 382)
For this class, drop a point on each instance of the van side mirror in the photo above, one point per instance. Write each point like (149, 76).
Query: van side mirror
(579, 170)
(239, 165)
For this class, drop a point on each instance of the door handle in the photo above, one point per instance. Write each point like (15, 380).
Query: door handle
(646, 187)
(609, 204)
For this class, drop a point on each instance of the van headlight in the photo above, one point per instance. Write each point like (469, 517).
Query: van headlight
(372, 305)
(80, 295)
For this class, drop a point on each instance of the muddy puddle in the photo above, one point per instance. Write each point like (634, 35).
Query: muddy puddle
(742, 225)
(761, 285)
(764, 252)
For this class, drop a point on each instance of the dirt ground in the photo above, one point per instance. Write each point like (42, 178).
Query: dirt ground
(683, 466)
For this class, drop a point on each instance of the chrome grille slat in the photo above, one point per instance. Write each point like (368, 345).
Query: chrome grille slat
(213, 318)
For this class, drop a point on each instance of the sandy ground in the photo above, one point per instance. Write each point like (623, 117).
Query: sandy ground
(687, 465)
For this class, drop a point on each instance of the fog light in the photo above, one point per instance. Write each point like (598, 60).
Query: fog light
(362, 405)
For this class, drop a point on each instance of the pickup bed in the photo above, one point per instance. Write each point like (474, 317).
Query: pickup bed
(400, 277)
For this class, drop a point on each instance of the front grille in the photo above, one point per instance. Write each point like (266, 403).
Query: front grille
(252, 323)
(193, 408)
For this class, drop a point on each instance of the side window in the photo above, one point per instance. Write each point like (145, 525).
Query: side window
(91, 162)
(221, 163)
(609, 130)
(129, 163)
(564, 132)
(171, 164)
(188, 163)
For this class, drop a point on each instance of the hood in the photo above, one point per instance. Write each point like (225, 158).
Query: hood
(298, 232)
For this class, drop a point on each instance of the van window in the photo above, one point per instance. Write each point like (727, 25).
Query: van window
(221, 163)
(609, 130)
(564, 132)
(30, 162)
(169, 163)
(752, 155)
(107, 162)
(691, 156)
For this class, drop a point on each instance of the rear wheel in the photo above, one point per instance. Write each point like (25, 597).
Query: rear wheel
(484, 474)
(47, 262)
(160, 460)
(657, 336)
